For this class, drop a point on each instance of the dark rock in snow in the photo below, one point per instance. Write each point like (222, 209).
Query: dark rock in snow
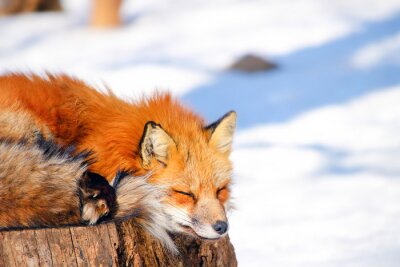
(252, 63)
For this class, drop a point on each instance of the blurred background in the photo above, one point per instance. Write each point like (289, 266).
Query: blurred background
(316, 84)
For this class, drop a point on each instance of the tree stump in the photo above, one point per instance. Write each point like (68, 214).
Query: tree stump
(111, 244)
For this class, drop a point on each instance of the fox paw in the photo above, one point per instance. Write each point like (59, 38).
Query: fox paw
(98, 199)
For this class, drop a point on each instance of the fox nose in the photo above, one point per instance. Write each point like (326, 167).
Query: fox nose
(220, 227)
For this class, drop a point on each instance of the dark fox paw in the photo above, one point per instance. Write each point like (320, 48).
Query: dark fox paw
(98, 198)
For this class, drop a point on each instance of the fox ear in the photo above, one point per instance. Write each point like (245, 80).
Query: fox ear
(155, 144)
(221, 132)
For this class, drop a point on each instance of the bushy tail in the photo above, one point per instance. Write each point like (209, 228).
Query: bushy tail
(140, 200)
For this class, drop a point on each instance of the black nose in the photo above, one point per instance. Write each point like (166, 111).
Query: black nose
(220, 227)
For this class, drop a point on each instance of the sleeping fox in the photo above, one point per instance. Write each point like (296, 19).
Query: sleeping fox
(45, 185)
(157, 137)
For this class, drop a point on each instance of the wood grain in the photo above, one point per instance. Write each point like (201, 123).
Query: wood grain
(111, 244)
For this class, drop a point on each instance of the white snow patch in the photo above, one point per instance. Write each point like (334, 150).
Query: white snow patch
(322, 189)
(382, 52)
(201, 37)
(368, 123)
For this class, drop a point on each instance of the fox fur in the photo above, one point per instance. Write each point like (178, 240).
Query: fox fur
(156, 137)
(44, 185)
(17, 124)
(37, 176)
(38, 186)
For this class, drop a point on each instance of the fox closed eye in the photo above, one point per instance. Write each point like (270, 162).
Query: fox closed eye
(220, 189)
(185, 193)
(223, 193)
(162, 163)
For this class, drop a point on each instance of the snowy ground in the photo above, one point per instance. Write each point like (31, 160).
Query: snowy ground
(317, 150)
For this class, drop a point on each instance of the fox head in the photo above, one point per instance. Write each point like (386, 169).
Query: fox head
(196, 172)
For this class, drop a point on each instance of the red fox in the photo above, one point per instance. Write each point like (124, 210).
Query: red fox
(157, 137)
(45, 185)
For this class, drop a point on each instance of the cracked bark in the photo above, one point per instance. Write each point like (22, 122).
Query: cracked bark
(112, 244)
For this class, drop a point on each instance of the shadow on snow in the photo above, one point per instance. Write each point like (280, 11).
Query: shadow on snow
(305, 80)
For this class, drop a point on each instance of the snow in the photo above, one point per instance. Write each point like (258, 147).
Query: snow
(327, 195)
(385, 51)
(317, 149)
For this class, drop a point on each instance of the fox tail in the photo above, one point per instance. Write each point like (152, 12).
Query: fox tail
(142, 201)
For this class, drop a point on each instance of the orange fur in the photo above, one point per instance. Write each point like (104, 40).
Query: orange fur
(113, 128)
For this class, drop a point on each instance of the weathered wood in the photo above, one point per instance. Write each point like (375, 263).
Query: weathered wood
(112, 244)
